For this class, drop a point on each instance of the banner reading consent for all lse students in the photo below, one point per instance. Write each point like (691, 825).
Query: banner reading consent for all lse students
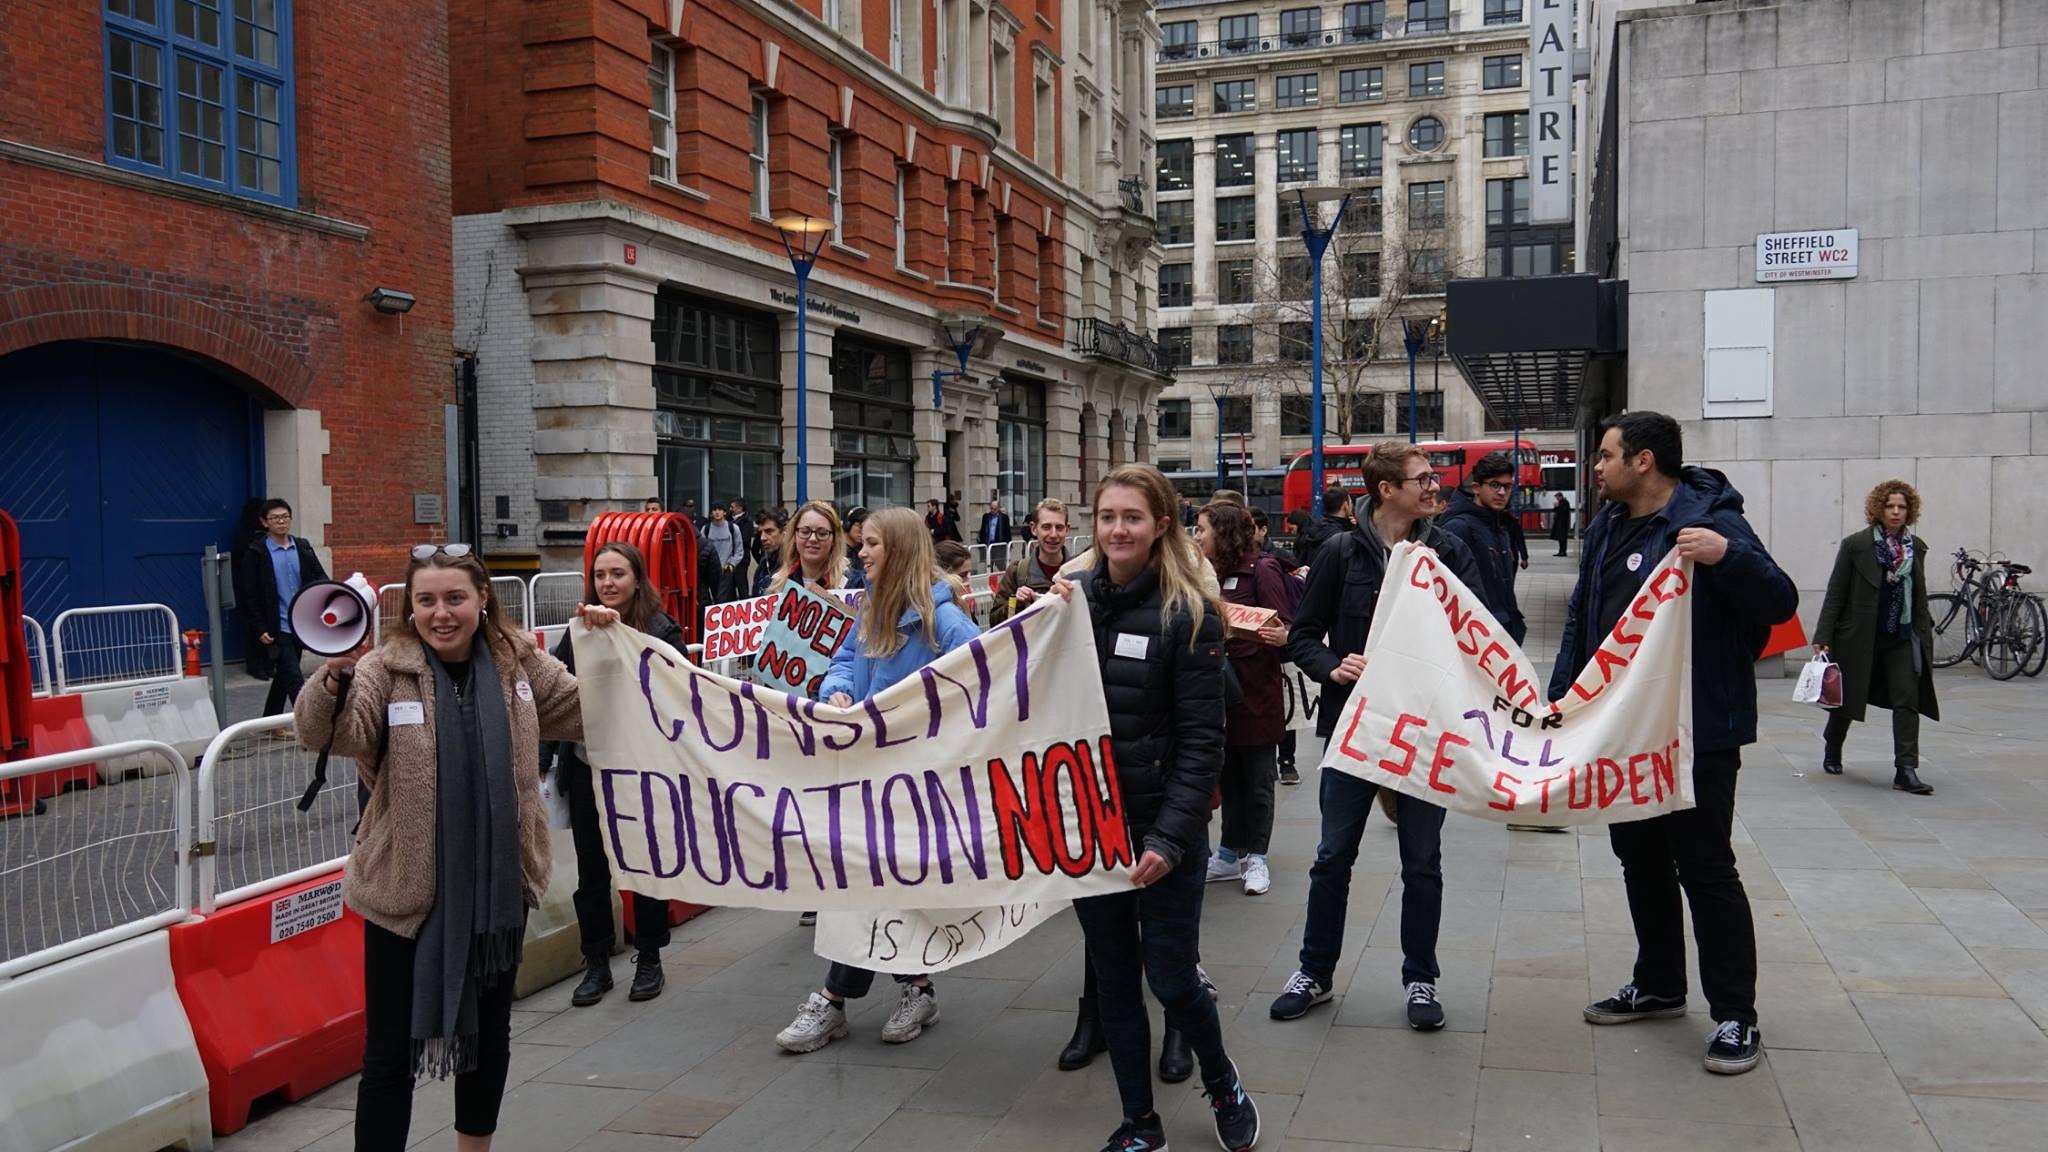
(984, 779)
(1450, 711)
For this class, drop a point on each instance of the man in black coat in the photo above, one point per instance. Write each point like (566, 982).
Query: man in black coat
(942, 522)
(273, 568)
(1335, 520)
(1654, 504)
(995, 525)
(1480, 520)
(1327, 641)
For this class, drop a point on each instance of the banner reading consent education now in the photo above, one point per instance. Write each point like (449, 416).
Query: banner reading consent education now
(984, 779)
(1449, 710)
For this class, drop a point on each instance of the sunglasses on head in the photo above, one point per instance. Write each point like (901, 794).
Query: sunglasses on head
(429, 551)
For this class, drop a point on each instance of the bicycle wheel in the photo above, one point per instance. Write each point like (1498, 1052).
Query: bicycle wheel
(2033, 623)
(2005, 651)
(1954, 630)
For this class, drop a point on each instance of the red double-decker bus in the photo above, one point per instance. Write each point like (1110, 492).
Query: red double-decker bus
(1343, 464)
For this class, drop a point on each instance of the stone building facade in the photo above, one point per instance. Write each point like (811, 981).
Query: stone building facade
(630, 306)
(1922, 127)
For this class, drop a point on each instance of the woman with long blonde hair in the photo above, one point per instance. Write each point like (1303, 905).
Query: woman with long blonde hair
(813, 546)
(907, 619)
(1159, 637)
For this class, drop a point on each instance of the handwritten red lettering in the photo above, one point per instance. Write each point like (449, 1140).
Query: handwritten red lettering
(1635, 778)
(1442, 760)
(1499, 779)
(1344, 745)
(1407, 763)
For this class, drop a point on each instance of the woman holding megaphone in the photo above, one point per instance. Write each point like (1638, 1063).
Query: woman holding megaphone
(617, 580)
(444, 722)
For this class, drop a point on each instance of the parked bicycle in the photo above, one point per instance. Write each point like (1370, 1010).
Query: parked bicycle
(1989, 618)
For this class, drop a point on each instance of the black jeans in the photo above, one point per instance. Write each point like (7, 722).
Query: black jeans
(850, 983)
(1249, 776)
(286, 677)
(1155, 933)
(1347, 801)
(1689, 850)
(384, 1096)
(1287, 748)
(594, 873)
(1892, 666)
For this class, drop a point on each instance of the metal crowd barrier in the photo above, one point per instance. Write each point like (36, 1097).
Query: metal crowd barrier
(96, 866)
(511, 594)
(390, 609)
(115, 646)
(38, 646)
(552, 598)
(252, 837)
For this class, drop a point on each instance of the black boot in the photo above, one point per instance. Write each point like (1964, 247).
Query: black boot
(648, 980)
(1908, 780)
(1086, 1042)
(1176, 1060)
(1831, 760)
(597, 980)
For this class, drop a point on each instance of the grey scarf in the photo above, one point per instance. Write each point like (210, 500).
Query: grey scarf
(474, 933)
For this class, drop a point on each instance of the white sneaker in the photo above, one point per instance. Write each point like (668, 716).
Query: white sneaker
(915, 1008)
(1221, 869)
(818, 1023)
(1256, 878)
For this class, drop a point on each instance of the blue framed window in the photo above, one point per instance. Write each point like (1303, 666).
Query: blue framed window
(200, 91)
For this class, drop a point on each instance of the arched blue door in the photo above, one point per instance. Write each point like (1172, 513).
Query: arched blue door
(121, 464)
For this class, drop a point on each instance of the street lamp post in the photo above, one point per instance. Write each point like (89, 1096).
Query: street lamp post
(803, 237)
(1414, 333)
(1317, 240)
(961, 334)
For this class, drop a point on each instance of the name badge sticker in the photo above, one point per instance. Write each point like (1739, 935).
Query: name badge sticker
(403, 713)
(1230, 585)
(524, 690)
(1635, 561)
(1134, 647)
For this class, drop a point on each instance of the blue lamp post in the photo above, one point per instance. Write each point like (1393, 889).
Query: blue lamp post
(1317, 239)
(803, 237)
(961, 334)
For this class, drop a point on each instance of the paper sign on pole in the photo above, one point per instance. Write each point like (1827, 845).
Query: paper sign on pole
(1450, 711)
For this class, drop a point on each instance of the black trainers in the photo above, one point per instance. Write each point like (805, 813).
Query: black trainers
(1632, 1004)
(1288, 775)
(1302, 994)
(597, 980)
(1424, 1013)
(1734, 1048)
(1237, 1118)
(1143, 1135)
(648, 980)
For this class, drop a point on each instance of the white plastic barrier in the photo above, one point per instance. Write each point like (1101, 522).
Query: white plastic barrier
(253, 839)
(100, 1055)
(38, 646)
(179, 713)
(115, 645)
(554, 941)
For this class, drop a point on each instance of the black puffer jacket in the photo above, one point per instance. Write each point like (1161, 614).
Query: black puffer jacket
(1337, 606)
(1165, 699)
(1490, 537)
(1309, 544)
(661, 627)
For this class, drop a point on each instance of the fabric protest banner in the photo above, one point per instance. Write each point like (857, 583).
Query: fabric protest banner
(985, 779)
(931, 940)
(799, 639)
(1450, 711)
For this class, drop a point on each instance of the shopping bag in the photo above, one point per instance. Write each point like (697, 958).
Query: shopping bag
(1831, 686)
(553, 802)
(1808, 688)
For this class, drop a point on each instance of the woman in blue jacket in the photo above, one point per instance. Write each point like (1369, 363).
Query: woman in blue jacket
(907, 620)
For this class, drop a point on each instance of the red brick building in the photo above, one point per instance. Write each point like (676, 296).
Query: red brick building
(196, 197)
(630, 305)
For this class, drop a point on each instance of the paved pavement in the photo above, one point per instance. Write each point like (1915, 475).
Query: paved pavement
(1903, 990)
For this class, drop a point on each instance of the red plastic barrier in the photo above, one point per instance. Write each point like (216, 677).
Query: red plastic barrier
(1785, 636)
(56, 724)
(273, 1017)
(668, 542)
(679, 911)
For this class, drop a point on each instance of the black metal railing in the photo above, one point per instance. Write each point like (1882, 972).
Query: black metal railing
(1131, 191)
(1259, 45)
(1115, 342)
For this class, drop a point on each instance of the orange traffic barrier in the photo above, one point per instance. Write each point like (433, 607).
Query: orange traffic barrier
(1786, 636)
(56, 724)
(274, 990)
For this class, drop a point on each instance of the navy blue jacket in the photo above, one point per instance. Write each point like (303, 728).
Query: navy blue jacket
(1490, 537)
(1735, 604)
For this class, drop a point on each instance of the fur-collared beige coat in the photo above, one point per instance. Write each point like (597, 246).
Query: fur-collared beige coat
(390, 876)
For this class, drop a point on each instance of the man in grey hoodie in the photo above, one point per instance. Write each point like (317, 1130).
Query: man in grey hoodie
(723, 543)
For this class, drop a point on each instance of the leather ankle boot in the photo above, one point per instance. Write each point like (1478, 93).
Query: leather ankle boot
(1908, 780)
(1176, 1060)
(597, 980)
(648, 979)
(1087, 1039)
(1831, 760)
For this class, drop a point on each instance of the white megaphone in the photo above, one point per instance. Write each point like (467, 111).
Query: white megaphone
(331, 617)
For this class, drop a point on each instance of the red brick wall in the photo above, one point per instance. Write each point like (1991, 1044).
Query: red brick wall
(550, 101)
(275, 304)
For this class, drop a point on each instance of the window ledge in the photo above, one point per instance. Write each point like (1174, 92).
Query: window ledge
(853, 252)
(974, 288)
(912, 273)
(163, 186)
(1043, 22)
(1007, 310)
(685, 189)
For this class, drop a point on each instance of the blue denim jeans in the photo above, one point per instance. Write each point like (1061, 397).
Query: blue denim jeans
(1346, 802)
(1155, 932)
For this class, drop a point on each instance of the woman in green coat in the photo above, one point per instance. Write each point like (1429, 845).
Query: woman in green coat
(1875, 624)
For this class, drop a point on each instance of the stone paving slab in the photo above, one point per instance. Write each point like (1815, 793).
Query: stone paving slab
(1903, 988)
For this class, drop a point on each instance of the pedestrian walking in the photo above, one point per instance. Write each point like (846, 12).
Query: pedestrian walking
(274, 568)
(942, 522)
(249, 528)
(906, 620)
(995, 525)
(1479, 518)
(736, 515)
(1327, 641)
(1290, 569)
(617, 580)
(1655, 502)
(1875, 625)
(1561, 523)
(1159, 638)
(1252, 729)
(722, 543)
(444, 721)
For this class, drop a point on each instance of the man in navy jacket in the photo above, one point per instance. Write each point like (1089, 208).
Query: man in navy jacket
(1654, 504)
